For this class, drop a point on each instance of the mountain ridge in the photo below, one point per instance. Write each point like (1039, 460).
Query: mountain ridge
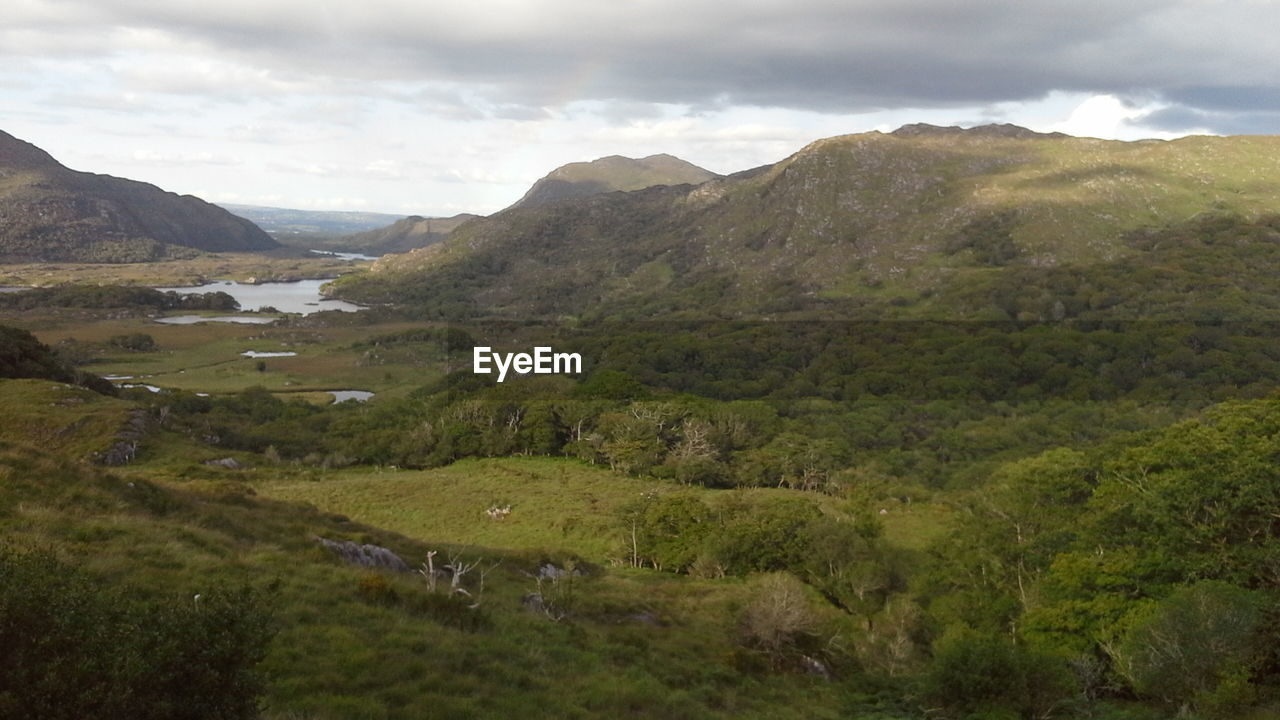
(49, 212)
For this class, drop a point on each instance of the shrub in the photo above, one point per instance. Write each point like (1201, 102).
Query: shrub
(74, 648)
(778, 619)
(375, 588)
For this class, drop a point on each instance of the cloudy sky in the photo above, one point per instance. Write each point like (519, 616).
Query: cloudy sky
(415, 106)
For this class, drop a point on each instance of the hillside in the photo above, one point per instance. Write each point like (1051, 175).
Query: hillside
(353, 641)
(51, 213)
(848, 221)
(612, 173)
(401, 236)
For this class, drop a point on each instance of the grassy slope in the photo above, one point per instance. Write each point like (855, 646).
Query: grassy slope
(63, 420)
(640, 644)
(556, 504)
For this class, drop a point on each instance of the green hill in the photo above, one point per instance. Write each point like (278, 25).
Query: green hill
(844, 223)
(612, 173)
(51, 213)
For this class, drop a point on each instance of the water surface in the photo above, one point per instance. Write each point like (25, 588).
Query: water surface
(345, 255)
(193, 319)
(344, 395)
(302, 296)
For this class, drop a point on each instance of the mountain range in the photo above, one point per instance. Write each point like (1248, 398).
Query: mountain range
(51, 213)
(904, 217)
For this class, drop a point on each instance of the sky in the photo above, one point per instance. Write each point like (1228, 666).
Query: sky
(434, 108)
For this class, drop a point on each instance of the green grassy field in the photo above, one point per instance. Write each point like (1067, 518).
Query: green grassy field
(557, 504)
(207, 357)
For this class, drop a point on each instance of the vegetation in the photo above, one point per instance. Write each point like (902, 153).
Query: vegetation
(1035, 479)
(115, 296)
(73, 648)
(23, 356)
(904, 224)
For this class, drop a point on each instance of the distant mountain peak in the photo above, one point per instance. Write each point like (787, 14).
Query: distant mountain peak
(1001, 130)
(613, 173)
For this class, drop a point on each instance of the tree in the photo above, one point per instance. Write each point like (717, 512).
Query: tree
(1200, 640)
(778, 620)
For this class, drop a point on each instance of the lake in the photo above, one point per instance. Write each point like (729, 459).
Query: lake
(345, 255)
(193, 319)
(302, 296)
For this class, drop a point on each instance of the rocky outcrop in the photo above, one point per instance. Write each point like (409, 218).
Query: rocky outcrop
(125, 447)
(373, 556)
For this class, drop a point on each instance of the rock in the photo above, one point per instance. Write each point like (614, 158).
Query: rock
(374, 556)
(229, 463)
(816, 667)
(125, 447)
(551, 572)
(534, 602)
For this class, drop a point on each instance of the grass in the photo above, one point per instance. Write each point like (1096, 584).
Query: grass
(555, 503)
(62, 419)
(637, 643)
(207, 358)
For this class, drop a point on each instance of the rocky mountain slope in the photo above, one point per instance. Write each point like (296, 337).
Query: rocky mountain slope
(51, 213)
(612, 173)
(845, 221)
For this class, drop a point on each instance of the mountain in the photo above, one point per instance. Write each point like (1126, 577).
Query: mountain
(852, 224)
(51, 213)
(284, 223)
(401, 236)
(608, 174)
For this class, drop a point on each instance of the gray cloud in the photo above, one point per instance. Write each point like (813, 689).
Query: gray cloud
(1182, 119)
(823, 55)
(1228, 97)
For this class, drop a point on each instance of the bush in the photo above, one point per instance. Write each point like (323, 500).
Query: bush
(1196, 647)
(137, 342)
(374, 588)
(987, 675)
(74, 648)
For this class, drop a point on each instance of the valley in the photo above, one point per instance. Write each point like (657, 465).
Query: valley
(784, 481)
